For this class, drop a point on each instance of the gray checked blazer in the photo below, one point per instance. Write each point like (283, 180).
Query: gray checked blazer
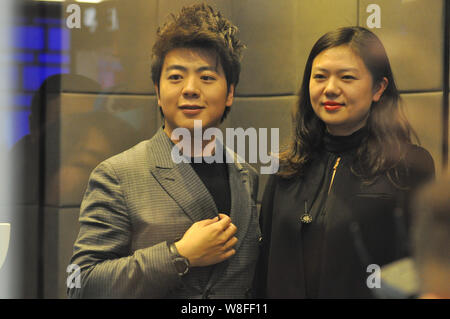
(138, 200)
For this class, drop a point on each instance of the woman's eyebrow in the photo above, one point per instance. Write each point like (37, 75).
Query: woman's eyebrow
(348, 70)
(339, 70)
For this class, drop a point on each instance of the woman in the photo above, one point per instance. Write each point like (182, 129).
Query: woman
(338, 202)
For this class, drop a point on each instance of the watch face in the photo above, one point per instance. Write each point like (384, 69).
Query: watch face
(182, 265)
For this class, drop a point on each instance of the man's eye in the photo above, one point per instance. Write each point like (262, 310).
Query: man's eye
(174, 77)
(207, 78)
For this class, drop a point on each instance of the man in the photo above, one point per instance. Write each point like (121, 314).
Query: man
(152, 228)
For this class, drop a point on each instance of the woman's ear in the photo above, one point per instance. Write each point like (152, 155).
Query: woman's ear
(157, 94)
(379, 89)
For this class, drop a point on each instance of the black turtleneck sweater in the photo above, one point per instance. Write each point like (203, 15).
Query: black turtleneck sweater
(215, 178)
(337, 150)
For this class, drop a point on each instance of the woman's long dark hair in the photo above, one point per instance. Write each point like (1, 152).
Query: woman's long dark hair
(389, 132)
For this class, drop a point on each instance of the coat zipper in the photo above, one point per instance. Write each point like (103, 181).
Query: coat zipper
(306, 218)
(336, 164)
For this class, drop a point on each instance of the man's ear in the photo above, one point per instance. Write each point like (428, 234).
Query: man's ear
(230, 96)
(379, 89)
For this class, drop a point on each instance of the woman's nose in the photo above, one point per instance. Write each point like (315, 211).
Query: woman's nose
(332, 87)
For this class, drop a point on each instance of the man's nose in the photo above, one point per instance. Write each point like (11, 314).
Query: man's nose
(190, 88)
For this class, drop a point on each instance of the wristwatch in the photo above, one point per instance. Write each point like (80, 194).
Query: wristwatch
(181, 263)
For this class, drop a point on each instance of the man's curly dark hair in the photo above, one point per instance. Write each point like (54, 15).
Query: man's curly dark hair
(199, 27)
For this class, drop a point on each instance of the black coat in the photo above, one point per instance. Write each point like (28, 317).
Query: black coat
(362, 225)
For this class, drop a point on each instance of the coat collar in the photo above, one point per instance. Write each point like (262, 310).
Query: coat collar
(159, 150)
(179, 180)
(163, 158)
(185, 187)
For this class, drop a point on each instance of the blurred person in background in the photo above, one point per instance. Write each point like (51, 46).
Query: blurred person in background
(44, 123)
(431, 239)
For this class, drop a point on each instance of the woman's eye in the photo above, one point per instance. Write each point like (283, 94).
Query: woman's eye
(349, 77)
(319, 76)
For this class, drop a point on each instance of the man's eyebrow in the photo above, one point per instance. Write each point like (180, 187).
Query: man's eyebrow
(175, 67)
(182, 68)
(207, 68)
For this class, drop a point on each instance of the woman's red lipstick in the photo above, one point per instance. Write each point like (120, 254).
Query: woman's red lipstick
(332, 105)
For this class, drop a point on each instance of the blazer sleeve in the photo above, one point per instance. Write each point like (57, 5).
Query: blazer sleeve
(103, 247)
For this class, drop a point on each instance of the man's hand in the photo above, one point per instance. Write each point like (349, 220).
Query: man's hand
(208, 241)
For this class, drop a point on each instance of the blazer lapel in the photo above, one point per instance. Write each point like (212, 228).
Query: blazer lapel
(182, 183)
(241, 202)
(180, 180)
